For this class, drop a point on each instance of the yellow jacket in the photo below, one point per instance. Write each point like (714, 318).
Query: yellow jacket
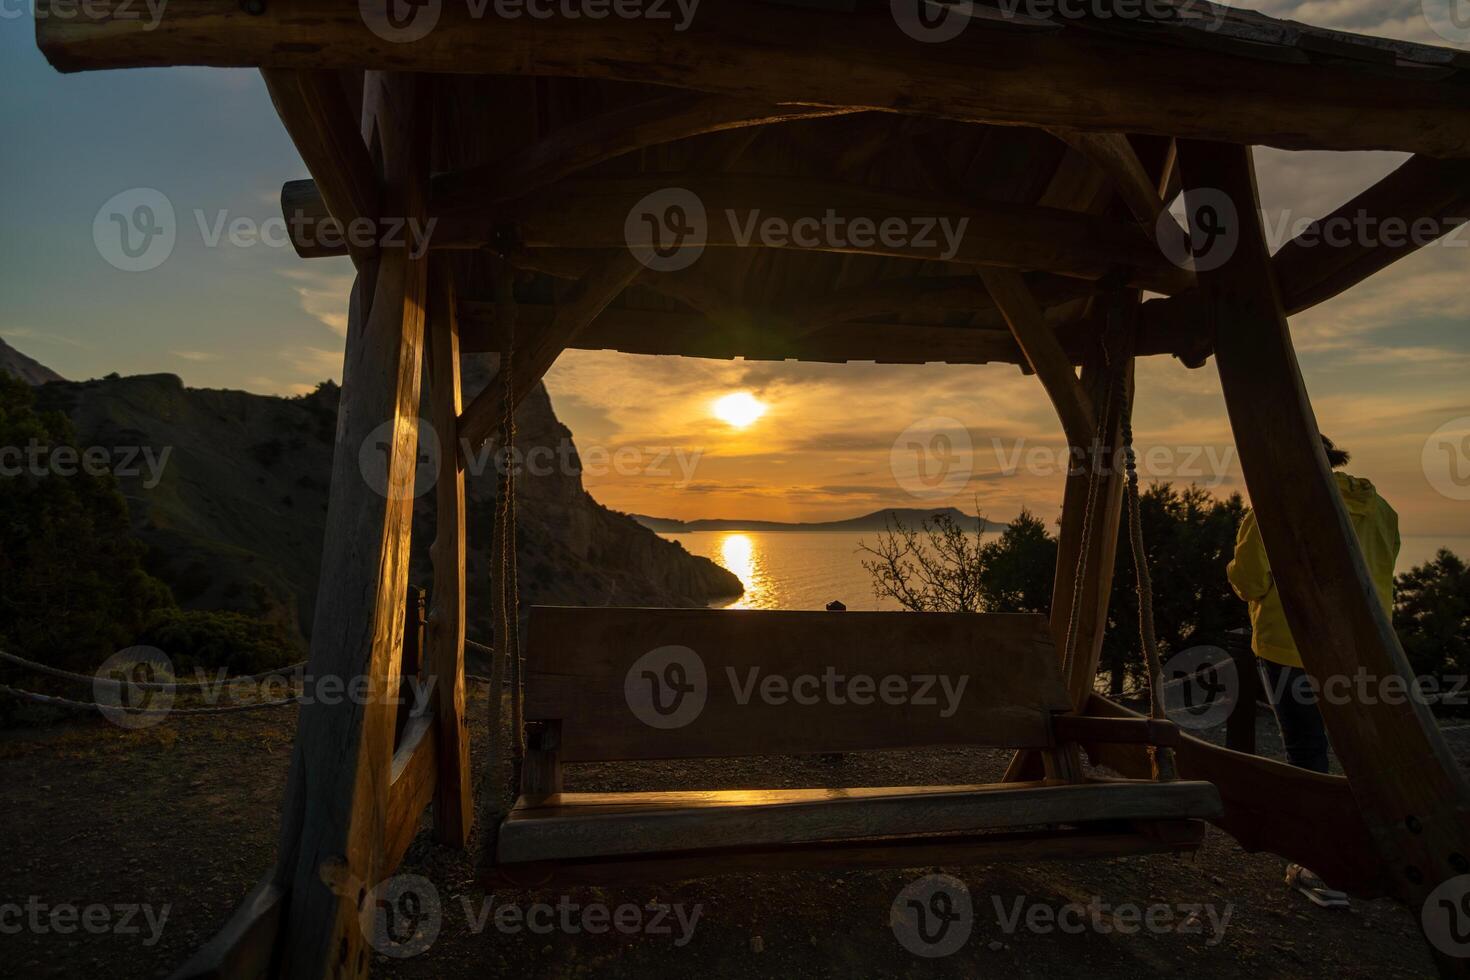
(1377, 527)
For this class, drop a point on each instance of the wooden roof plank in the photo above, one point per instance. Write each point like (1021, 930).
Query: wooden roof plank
(1134, 76)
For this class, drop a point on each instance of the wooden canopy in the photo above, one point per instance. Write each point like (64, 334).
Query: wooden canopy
(527, 146)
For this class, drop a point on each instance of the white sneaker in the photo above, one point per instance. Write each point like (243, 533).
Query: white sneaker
(1309, 884)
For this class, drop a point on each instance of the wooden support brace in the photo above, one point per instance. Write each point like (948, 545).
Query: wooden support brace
(335, 817)
(537, 353)
(1411, 793)
(1043, 352)
(588, 142)
(1102, 516)
(454, 789)
(324, 126)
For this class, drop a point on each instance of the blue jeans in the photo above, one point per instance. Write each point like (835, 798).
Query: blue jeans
(1297, 715)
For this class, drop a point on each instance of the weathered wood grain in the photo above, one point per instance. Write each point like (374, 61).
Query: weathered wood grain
(1396, 760)
(454, 801)
(335, 815)
(580, 662)
(1129, 79)
(569, 826)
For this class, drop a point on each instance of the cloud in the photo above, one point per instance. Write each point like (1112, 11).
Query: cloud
(323, 296)
(45, 337)
(195, 355)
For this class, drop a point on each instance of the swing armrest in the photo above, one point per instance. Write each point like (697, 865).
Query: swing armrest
(1118, 731)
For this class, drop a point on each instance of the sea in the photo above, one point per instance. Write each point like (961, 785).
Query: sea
(808, 569)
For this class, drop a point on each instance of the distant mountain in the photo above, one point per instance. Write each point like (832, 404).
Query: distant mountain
(876, 521)
(233, 504)
(29, 370)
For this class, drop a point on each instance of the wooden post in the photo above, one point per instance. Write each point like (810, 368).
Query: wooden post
(411, 660)
(1413, 797)
(1102, 543)
(334, 818)
(454, 790)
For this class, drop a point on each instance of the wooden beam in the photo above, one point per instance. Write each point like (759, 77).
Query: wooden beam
(1269, 805)
(454, 792)
(1128, 79)
(1345, 247)
(1413, 797)
(592, 213)
(314, 107)
(335, 814)
(775, 336)
(1096, 548)
(1141, 193)
(1043, 352)
(1115, 156)
(1415, 205)
(535, 354)
(572, 826)
(587, 142)
(957, 850)
(414, 785)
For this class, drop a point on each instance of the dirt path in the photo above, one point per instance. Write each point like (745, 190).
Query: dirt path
(181, 819)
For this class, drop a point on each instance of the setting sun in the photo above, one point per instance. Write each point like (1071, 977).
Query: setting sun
(739, 409)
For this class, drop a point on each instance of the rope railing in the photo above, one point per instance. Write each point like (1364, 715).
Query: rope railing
(71, 704)
(144, 685)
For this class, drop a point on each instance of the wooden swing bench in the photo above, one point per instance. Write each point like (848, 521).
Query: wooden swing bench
(767, 679)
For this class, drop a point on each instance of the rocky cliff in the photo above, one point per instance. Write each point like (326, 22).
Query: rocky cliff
(228, 491)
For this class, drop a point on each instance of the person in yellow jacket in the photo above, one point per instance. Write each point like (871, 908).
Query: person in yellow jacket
(1291, 691)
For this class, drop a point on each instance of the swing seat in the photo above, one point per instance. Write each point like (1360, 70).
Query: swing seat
(610, 685)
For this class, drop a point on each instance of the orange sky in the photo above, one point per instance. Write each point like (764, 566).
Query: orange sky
(1386, 365)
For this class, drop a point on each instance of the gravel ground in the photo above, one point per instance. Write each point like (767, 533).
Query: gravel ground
(181, 819)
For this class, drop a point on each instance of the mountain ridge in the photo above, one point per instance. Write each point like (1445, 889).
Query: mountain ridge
(233, 513)
(877, 520)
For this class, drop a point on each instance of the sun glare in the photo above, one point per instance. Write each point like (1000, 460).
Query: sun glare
(739, 409)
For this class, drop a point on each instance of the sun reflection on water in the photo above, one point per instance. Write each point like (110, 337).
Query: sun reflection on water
(738, 553)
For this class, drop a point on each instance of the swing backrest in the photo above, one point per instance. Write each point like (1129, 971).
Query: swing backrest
(628, 684)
